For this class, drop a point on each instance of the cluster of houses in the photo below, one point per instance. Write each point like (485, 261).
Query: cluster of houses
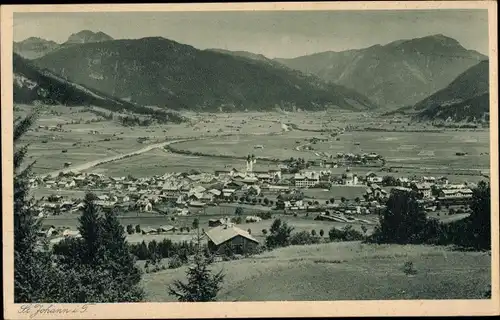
(371, 202)
(328, 161)
(185, 190)
(201, 189)
(310, 179)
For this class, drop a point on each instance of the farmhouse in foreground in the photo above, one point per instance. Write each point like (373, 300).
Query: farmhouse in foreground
(227, 234)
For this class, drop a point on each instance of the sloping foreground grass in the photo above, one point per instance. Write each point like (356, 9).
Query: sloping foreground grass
(344, 271)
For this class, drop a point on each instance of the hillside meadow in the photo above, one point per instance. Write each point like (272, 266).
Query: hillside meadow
(343, 271)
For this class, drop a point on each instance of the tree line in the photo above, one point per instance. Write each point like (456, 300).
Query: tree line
(405, 222)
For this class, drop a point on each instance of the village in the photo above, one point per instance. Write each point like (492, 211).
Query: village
(267, 189)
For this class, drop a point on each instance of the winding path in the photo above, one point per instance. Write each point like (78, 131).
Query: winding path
(90, 164)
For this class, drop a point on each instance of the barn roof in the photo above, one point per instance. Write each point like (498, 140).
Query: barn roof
(223, 233)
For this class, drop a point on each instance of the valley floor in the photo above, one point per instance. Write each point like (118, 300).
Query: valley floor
(343, 271)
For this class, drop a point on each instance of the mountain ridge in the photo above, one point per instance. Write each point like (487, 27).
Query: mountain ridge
(31, 84)
(399, 73)
(163, 72)
(466, 98)
(35, 47)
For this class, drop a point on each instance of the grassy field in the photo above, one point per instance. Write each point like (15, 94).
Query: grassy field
(343, 271)
(281, 146)
(419, 152)
(399, 148)
(160, 161)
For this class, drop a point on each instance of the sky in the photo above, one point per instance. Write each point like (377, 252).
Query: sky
(275, 34)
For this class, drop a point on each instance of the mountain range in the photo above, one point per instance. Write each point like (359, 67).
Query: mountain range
(433, 77)
(398, 74)
(161, 72)
(34, 47)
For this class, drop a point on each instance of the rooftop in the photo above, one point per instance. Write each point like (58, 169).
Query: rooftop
(223, 233)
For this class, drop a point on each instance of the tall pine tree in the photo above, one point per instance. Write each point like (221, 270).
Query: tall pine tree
(120, 262)
(202, 284)
(91, 232)
(35, 278)
(99, 267)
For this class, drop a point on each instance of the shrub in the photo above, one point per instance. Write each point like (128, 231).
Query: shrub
(236, 220)
(303, 237)
(196, 223)
(321, 232)
(264, 231)
(266, 215)
(279, 235)
(130, 229)
(238, 211)
(175, 262)
(137, 229)
(313, 233)
(409, 268)
(345, 234)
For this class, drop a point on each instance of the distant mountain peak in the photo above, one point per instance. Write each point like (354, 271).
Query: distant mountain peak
(442, 38)
(435, 38)
(36, 40)
(88, 36)
(34, 47)
(400, 73)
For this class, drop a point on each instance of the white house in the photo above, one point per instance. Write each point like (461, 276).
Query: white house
(307, 179)
(373, 178)
(424, 189)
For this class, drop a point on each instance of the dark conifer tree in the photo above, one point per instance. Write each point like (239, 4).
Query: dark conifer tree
(35, 278)
(119, 262)
(480, 218)
(90, 229)
(202, 284)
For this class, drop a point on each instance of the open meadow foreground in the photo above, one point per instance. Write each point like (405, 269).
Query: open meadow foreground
(304, 166)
